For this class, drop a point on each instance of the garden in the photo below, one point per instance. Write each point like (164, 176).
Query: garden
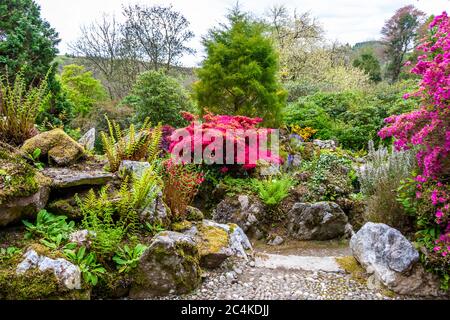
(285, 166)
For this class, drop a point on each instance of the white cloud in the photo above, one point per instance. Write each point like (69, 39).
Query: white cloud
(348, 21)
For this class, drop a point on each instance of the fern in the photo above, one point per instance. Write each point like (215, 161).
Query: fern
(272, 192)
(19, 107)
(98, 213)
(136, 145)
(154, 148)
(143, 191)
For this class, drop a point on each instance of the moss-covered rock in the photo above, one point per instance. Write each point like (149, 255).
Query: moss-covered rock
(194, 214)
(217, 242)
(170, 265)
(35, 283)
(23, 190)
(65, 207)
(56, 145)
(213, 246)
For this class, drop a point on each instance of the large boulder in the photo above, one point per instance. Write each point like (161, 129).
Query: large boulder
(63, 178)
(392, 261)
(169, 266)
(218, 242)
(59, 148)
(242, 210)
(316, 221)
(23, 190)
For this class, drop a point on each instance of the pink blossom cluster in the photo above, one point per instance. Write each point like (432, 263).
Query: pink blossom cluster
(429, 127)
(235, 131)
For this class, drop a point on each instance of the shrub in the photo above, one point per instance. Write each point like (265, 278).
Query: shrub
(428, 130)
(181, 184)
(19, 107)
(380, 179)
(329, 176)
(224, 126)
(143, 145)
(160, 98)
(83, 90)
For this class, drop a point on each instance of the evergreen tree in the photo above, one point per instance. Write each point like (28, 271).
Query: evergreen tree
(370, 65)
(27, 42)
(239, 75)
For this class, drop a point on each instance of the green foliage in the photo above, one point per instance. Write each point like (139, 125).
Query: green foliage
(87, 262)
(351, 118)
(52, 230)
(160, 98)
(331, 176)
(28, 43)
(135, 146)
(83, 90)
(8, 253)
(154, 228)
(111, 220)
(235, 186)
(127, 258)
(35, 158)
(239, 75)
(381, 180)
(57, 109)
(273, 191)
(97, 211)
(143, 192)
(370, 65)
(19, 106)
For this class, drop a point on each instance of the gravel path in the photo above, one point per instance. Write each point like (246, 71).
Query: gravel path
(288, 275)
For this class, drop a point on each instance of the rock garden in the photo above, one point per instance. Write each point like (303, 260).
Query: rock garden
(108, 211)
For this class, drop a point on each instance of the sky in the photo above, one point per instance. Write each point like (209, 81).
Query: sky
(347, 21)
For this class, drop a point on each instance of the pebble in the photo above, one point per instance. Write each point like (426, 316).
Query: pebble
(245, 282)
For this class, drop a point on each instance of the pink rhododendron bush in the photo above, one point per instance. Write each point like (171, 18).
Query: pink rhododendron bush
(226, 141)
(428, 130)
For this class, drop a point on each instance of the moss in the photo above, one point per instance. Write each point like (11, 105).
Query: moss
(112, 285)
(233, 227)
(45, 251)
(352, 267)
(65, 207)
(389, 293)
(181, 226)
(17, 178)
(194, 214)
(35, 284)
(213, 239)
(55, 144)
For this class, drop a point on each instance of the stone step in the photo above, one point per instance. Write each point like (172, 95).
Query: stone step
(292, 262)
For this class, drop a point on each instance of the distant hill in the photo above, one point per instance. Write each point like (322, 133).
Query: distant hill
(186, 75)
(376, 46)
